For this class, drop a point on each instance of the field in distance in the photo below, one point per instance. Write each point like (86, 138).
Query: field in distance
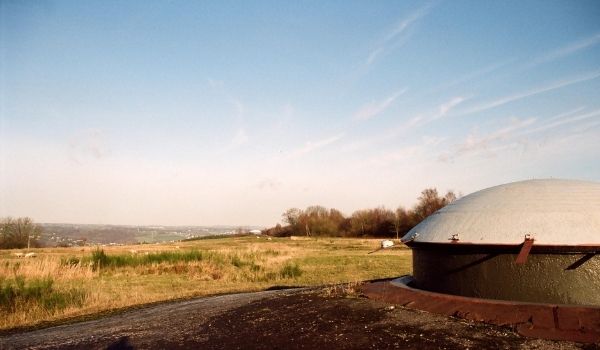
(60, 283)
(68, 235)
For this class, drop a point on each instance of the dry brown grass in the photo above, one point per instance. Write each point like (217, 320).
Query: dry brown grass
(345, 290)
(236, 265)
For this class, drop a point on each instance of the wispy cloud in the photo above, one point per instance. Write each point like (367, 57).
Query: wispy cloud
(566, 50)
(565, 118)
(587, 127)
(565, 114)
(215, 84)
(481, 143)
(507, 99)
(441, 111)
(410, 154)
(448, 106)
(269, 184)
(283, 119)
(311, 146)
(373, 55)
(239, 108)
(240, 138)
(288, 111)
(240, 135)
(393, 133)
(398, 34)
(473, 75)
(518, 132)
(373, 109)
(88, 144)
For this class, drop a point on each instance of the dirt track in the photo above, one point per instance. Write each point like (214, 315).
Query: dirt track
(285, 319)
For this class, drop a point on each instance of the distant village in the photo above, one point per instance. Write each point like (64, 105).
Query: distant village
(75, 235)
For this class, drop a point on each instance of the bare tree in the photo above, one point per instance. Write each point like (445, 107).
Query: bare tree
(378, 222)
(402, 222)
(372, 222)
(430, 202)
(292, 216)
(450, 197)
(19, 233)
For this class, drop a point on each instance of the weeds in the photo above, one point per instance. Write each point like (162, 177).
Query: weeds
(22, 293)
(171, 261)
(85, 281)
(345, 290)
(99, 259)
(71, 261)
(236, 261)
(290, 271)
(271, 252)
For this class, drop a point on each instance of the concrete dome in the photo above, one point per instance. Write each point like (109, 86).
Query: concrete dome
(554, 212)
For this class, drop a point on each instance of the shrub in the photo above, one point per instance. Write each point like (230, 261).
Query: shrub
(271, 252)
(23, 293)
(72, 261)
(99, 259)
(19, 233)
(290, 271)
(236, 261)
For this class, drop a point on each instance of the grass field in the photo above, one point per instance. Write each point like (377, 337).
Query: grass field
(62, 283)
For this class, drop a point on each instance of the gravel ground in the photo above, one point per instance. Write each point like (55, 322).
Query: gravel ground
(283, 319)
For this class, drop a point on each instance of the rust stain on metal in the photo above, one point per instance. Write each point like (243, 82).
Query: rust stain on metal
(524, 252)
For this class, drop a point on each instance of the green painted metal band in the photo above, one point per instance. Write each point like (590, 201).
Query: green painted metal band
(546, 278)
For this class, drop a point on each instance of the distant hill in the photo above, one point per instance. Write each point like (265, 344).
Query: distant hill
(80, 234)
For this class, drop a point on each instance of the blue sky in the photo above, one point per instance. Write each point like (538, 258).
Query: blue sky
(230, 112)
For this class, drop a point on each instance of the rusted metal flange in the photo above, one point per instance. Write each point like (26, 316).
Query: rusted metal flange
(547, 321)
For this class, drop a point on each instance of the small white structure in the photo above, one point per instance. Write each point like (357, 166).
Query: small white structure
(256, 232)
(386, 244)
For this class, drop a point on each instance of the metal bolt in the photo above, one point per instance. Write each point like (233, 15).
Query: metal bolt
(454, 237)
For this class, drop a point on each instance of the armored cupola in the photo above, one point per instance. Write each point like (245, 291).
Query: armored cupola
(532, 240)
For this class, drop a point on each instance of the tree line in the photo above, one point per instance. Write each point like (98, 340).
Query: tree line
(19, 233)
(377, 222)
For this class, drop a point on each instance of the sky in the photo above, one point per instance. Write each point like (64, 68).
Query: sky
(230, 112)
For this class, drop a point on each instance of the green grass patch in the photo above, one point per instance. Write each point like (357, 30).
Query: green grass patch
(290, 270)
(99, 259)
(123, 276)
(20, 292)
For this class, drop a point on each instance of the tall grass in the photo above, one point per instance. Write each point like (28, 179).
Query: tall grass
(22, 293)
(99, 259)
(247, 265)
(85, 280)
(290, 271)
